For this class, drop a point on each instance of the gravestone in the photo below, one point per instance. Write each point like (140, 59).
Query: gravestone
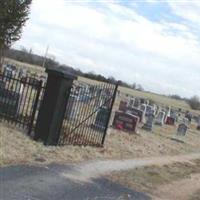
(168, 111)
(170, 121)
(136, 103)
(160, 118)
(131, 102)
(149, 123)
(148, 110)
(123, 106)
(101, 118)
(125, 121)
(9, 102)
(182, 129)
(72, 110)
(137, 112)
(143, 107)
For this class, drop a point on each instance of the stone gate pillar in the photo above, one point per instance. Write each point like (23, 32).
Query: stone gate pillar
(52, 109)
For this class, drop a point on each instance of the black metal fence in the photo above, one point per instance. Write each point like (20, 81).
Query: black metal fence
(20, 98)
(87, 113)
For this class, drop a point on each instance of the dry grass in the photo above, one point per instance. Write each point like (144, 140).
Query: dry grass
(33, 68)
(18, 148)
(147, 179)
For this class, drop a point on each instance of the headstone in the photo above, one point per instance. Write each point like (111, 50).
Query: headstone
(148, 110)
(170, 121)
(137, 112)
(188, 115)
(123, 106)
(173, 114)
(143, 107)
(149, 123)
(131, 102)
(160, 118)
(136, 103)
(125, 121)
(72, 111)
(182, 129)
(168, 111)
(101, 118)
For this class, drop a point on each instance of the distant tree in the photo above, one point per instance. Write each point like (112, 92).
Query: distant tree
(133, 86)
(139, 87)
(13, 15)
(194, 103)
(175, 96)
(112, 80)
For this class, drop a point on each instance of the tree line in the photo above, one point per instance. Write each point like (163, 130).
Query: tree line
(27, 56)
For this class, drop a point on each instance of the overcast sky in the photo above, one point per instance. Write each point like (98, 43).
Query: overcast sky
(154, 43)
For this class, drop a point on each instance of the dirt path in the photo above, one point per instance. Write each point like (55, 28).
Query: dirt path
(182, 189)
(94, 169)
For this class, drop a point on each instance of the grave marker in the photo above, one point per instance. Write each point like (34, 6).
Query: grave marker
(123, 106)
(160, 118)
(149, 123)
(125, 121)
(182, 129)
(137, 112)
(101, 118)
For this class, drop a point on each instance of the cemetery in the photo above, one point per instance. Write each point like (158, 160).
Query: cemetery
(95, 126)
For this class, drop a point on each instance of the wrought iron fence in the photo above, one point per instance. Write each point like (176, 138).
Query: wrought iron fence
(20, 98)
(87, 113)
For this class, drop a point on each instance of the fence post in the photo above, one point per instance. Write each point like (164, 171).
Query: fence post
(110, 112)
(30, 127)
(51, 113)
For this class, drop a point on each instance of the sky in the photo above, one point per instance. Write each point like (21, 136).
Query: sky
(152, 43)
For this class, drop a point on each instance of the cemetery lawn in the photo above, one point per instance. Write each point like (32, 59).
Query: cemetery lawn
(17, 148)
(173, 181)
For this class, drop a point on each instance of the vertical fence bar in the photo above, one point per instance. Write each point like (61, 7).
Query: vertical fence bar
(30, 126)
(108, 118)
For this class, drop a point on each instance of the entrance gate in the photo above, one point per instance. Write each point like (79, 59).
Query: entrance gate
(87, 113)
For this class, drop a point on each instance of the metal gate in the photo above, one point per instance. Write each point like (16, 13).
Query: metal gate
(20, 98)
(87, 113)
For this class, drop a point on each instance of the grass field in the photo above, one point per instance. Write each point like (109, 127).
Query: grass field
(157, 98)
(18, 148)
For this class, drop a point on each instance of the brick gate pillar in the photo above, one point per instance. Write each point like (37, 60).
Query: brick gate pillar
(52, 109)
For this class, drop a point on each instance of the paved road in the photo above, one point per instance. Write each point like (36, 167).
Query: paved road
(48, 183)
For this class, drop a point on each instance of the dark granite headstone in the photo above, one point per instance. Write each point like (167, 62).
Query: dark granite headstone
(136, 103)
(101, 118)
(149, 123)
(182, 129)
(137, 112)
(125, 121)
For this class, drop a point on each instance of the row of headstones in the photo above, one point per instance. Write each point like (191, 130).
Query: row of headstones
(128, 118)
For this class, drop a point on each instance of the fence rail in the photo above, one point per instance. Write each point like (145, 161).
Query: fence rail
(87, 113)
(20, 99)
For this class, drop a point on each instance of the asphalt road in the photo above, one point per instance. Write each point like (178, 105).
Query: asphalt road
(48, 183)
